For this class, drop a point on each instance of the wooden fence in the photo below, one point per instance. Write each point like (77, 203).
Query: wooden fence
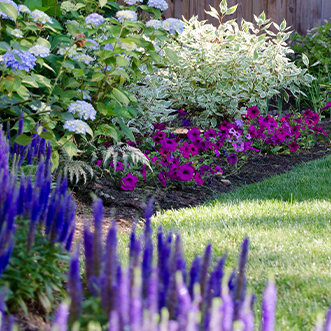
(302, 15)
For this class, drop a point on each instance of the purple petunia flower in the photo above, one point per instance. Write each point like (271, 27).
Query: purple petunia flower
(185, 172)
(181, 112)
(193, 134)
(198, 179)
(252, 112)
(293, 146)
(232, 159)
(186, 150)
(169, 145)
(159, 126)
(327, 106)
(129, 182)
(210, 133)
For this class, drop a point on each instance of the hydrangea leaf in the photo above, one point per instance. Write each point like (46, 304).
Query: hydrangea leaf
(23, 139)
(9, 10)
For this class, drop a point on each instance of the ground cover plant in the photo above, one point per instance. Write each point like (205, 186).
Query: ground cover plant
(286, 219)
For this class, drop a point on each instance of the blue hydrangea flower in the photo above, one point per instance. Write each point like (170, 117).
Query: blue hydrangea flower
(27, 62)
(17, 33)
(83, 58)
(158, 4)
(86, 94)
(128, 15)
(92, 47)
(39, 50)
(41, 17)
(154, 24)
(24, 9)
(77, 126)
(3, 15)
(83, 109)
(173, 25)
(109, 47)
(94, 19)
(132, 2)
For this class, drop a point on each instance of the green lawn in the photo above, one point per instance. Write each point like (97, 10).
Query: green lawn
(290, 238)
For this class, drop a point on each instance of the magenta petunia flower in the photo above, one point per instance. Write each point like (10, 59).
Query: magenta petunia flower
(218, 170)
(181, 112)
(210, 133)
(194, 149)
(193, 134)
(161, 177)
(143, 172)
(186, 150)
(205, 168)
(154, 159)
(315, 117)
(293, 146)
(198, 179)
(129, 182)
(185, 172)
(106, 144)
(169, 145)
(97, 162)
(327, 106)
(252, 112)
(252, 131)
(119, 166)
(307, 113)
(159, 126)
(159, 135)
(131, 143)
(232, 159)
(203, 144)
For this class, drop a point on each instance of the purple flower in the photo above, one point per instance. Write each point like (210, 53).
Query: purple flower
(293, 146)
(198, 179)
(159, 135)
(232, 159)
(185, 172)
(327, 106)
(205, 168)
(181, 112)
(26, 63)
(210, 133)
(186, 150)
(94, 19)
(159, 126)
(193, 134)
(269, 306)
(119, 166)
(169, 145)
(252, 112)
(61, 318)
(129, 182)
(186, 123)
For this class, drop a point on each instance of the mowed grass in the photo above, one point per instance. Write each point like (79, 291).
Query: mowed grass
(288, 221)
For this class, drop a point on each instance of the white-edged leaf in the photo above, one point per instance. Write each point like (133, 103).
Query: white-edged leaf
(305, 59)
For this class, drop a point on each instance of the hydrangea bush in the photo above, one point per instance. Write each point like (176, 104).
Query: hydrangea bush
(67, 67)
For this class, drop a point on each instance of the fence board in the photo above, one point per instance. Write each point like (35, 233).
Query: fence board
(290, 13)
(326, 10)
(302, 22)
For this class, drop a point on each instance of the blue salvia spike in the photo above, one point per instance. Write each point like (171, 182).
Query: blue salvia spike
(58, 221)
(110, 270)
(33, 148)
(7, 135)
(180, 260)
(152, 298)
(40, 174)
(42, 148)
(29, 157)
(67, 218)
(219, 274)
(97, 243)
(327, 326)
(269, 306)
(194, 274)
(136, 302)
(89, 264)
(64, 186)
(61, 318)
(124, 300)
(69, 240)
(228, 309)
(20, 202)
(34, 219)
(159, 247)
(204, 270)
(132, 242)
(28, 196)
(246, 315)
(74, 287)
(184, 301)
(240, 284)
(44, 196)
(193, 316)
(147, 262)
(114, 323)
(51, 210)
(49, 153)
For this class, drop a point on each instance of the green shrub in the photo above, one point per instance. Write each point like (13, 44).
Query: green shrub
(222, 71)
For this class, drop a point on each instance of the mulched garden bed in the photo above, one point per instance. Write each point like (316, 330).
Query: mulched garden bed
(125, 206)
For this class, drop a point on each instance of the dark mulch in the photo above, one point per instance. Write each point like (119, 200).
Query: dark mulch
(125, 206)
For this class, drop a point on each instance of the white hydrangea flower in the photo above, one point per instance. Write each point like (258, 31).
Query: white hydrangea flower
(77, 126)
(84, 58)
(24, 9)
(43, 107)
(70, 51)
(17, 33)
(158, 4)
(132, 2)
(39, 50)
(40, 16)
(154, 24)
(129, 15)
(73, 22)
(67, 6)
(83, 109)
(131, 46)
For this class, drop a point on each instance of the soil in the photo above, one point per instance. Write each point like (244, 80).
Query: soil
(126, 206)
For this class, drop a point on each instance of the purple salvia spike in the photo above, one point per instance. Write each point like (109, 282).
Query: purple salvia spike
(74, 288)
(61, 318)
(44, 196)
(20, 125)
(58, 221)
(136, 302)
(159, 247)
(114, 323)
(240, 285)
(97, 242)
(204, 270)
(219, 274)
(328, 321)
(110, 270)
(40, 173)
(33, 146)
(192, 322)
(67, 218)
(194, 274)
(69, 240)
(180, 261)
(64, 186)
(246, 315)
(51, 211)
(152, 298)
(132, 242)
(184, 301)
(269, 306)
(228, 309)
(10, 323)
(29, 157)
(173, 326)
(34, 218)
(42, 148)
(124, 299)
(49, 153)
(147, 263)
(8, 135)
(89, 265)
(216, 315)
